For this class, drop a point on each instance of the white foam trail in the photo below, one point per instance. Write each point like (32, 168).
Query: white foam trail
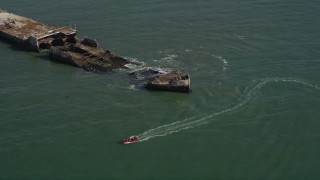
(132, 87)
(223, 60)
(249, 95)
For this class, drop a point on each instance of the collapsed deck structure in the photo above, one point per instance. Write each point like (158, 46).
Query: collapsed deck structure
(87, 55)
(63, 46)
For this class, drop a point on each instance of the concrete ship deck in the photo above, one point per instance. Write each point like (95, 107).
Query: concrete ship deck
(31, 34)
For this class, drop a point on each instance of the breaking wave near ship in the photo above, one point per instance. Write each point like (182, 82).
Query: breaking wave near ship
(249, 95)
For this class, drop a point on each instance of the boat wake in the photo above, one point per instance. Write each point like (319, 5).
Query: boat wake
(249, 95)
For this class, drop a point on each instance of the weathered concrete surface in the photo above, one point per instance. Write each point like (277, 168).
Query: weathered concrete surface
(31, 34)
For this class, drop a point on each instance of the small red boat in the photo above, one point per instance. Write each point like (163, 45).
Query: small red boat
(132, 139)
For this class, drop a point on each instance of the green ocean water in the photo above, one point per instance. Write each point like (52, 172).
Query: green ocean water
(253, 113)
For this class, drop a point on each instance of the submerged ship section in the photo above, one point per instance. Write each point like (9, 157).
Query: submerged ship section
(88, 55)
(162, 80)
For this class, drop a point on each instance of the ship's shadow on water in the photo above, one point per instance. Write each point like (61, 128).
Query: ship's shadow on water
(12, 46)
(249, 95)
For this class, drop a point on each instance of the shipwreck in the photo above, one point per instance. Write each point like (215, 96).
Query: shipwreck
(63, 46)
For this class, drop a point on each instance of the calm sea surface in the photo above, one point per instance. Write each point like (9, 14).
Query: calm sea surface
(253, 113)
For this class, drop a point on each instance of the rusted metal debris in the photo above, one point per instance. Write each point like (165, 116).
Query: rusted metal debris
(63, 46)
